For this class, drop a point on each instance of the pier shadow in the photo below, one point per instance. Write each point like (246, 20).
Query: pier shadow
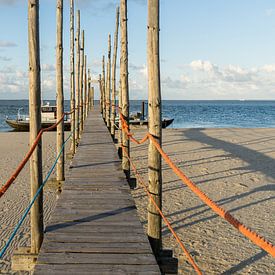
(54, 227)
(245, 263)
(257, 162)
(204, 208)
(100, 164)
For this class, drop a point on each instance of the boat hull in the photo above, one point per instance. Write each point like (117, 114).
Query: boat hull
(23, 126)
(165, 122)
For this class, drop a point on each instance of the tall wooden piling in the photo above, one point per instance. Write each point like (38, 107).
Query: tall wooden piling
(124, 84)
(77, 77)
(72, 78)
(119, 138)
(103, 88)
(101, 93)
(154, 120)
(81, 80)
(113, 112)
(35, 125)
(59, 91)
(92, 96)
(108, 85)
(85, 102)
(88, 93)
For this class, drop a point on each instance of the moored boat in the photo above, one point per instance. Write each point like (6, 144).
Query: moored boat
(48, 118)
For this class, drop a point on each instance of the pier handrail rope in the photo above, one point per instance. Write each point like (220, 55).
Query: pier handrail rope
(247, 232)
(141, 180)
(33, 200)
(22, 164)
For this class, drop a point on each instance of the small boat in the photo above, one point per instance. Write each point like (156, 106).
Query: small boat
(48, 118)
(139, 119)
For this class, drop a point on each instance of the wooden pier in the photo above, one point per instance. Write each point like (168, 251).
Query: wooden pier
(95, 228)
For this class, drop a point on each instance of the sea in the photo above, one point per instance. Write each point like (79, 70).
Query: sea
(186, 113)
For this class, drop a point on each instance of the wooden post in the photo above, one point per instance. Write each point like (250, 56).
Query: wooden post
(35, 125)
(81, 79)
(113, 113)
(101, 93)
(59, 91)
(103, 88)
(85, 103)
(77, 78)
(72, 79)
(154, 121)
(119, 139)
(88, 94)
(108, 85)
(124, 84)
(143, 110)
(92, 96)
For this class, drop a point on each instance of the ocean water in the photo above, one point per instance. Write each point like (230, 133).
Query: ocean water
(186, 114)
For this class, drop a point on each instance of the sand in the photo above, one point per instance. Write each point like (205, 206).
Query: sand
(13, 147)
(234, 167)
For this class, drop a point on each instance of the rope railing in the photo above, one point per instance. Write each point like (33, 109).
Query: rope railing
(247, 232)
(22, 164)
(140, 179)
(4, 249)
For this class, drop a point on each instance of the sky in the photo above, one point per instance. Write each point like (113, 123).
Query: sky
(209, 49)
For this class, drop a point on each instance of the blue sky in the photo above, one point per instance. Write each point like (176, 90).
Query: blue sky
(210, 49)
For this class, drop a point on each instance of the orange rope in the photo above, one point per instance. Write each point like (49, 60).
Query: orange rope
(250, 234)
(22, 164)
(139, 177)
(253, 236)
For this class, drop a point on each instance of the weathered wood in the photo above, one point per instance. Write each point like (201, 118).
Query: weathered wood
(77, 77)
(85, 83)
(60, 172)
(113, 106)
(131, 248)
(101, 93)
(35, 125)
(88, 100)
(95, 222)
(119, 138)
(154, 119)
(98, 269)
(82, 83)
(108, 85)
(85, 258)
(103, 88)
(124, 84)
(92, 96)
(72, 78)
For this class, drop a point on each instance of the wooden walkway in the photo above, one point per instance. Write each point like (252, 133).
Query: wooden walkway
(95, 228)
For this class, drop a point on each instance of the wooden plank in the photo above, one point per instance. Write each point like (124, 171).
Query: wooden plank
(87, 258)
(97, 269)
(101, 248)
(95, 228)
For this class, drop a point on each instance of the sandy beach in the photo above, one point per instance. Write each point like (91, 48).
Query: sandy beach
(13, 147)
(234, 167)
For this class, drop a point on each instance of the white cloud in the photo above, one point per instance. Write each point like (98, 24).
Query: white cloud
(270, 68)
(7, 44)
(205, 66)
(48, 67)
(5, 58)
(269, 12)
(8, 2)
